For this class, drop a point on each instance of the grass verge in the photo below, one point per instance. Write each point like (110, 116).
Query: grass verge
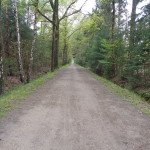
(126, 94)
(8, 100)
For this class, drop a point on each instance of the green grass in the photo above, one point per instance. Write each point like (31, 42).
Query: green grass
(126, 94)
(144, 93)
(8, 100)
(65, 66)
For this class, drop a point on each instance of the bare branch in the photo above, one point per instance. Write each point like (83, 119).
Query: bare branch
(37, 2)
(44, 4)
(67, 10)
(45, 16)
(74, 12)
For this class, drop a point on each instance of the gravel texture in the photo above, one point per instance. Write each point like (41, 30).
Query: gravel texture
(74, 111)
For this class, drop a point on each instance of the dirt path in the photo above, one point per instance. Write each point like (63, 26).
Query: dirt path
(73, 111)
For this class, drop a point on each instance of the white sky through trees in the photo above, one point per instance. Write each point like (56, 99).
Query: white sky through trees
(90, 4)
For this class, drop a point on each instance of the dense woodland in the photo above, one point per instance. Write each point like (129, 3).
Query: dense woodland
(37, 36)
(116, 44)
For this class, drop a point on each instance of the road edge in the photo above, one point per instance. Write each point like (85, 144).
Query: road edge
(139, 102)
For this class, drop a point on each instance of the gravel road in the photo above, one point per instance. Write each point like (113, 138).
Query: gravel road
(74, 111)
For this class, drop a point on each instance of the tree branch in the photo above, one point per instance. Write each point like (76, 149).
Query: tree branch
(52, 4)
(44, 16)
(67, 10)
(37, 2)
(74, 12)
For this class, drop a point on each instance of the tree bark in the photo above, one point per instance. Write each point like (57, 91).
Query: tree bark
(65, 52)
(55, 37)
(29, 72)
(28, 14)
(21, 71)
(132, 27)
(113, 21)
(65, 49)
(1, 54)
(112, 39)
(7, 42)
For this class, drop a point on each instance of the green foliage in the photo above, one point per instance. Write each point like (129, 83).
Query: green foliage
(42, 55)
(8, 100)
(114, 58)
(126, 94)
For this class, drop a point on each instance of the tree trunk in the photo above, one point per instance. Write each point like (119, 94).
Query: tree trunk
(1, 65)
(32, 49)
(132, 28)
(119, 15)
(21, 71)
(112, 39)
(7, 43)
(55, 28)
(55, 37)
(65, 49)
(113, 21)
(57, 47)
(53, 48)
(65, 56)
(28, 14)
(1, 54)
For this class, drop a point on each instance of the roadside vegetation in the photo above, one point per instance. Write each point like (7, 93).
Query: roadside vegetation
(115, 44)
(38, 36)
(34, 39)
(9, 100)
(127, 94)
(138, 101)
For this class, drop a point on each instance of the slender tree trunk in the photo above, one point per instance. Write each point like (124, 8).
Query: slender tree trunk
(28, 15)
(32, 49)
(41, 28)
(19, 44)
(65, 49)
(113, 21)
(57, 46)
(1, 54)
(132, 28)
(119, 14)
(1, 65)
(53, 48)
(112, 38)
(7, 43)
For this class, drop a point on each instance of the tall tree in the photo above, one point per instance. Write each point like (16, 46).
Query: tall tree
(21, 71)
(32, 47)
(8, 40)
(55, 21)
(65, 42)
(113, 21)
(1, 53)
(132, 27)
(113, 37)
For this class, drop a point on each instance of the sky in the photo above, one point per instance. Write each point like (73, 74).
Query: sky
(90, 4)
